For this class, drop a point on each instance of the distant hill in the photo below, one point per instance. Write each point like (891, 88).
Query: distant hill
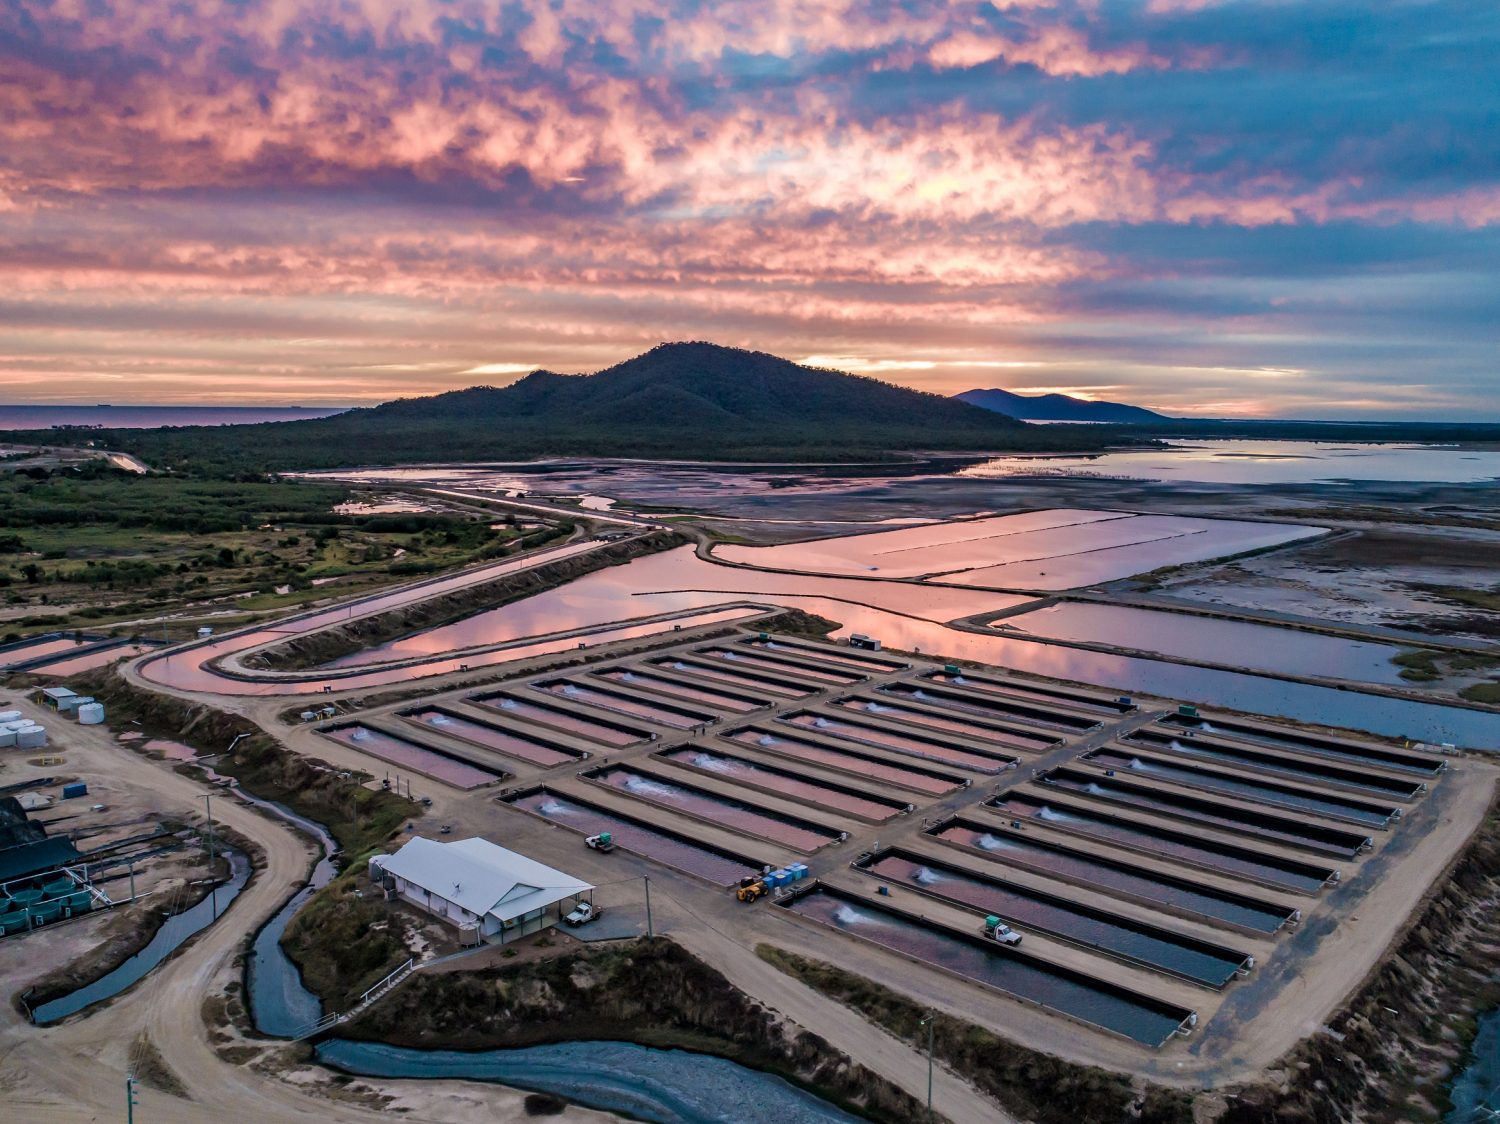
(1057, 407)
(679, 400)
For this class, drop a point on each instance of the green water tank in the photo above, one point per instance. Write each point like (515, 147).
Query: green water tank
(951, 669)
(1187, 711)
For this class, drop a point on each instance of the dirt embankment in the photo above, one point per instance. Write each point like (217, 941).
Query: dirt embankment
(1390, 1055)
(317, 648)
(357, 817)
(651, 992)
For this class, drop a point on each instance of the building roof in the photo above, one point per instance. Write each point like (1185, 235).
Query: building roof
(58, 693)
(484, 879)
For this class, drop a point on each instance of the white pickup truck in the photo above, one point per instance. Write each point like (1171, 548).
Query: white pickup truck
(583, 913)
(999, 931)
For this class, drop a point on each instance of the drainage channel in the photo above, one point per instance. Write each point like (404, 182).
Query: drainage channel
(800, 668)
(872, 665)
(600, 731)
(1094, 704)
(913, 777)
(940, 723)
(950, 753)
(992, 707)
(1310, 743)
(1179, 846)
(721, 811)
(1297, 833)
(659, 844)
(663, 714)
(681, 690)
(176, 929)
(784, 782)
(419, 757)
(1118, 879)
(523, 747)
(1098, 930)
(1094, 1002)
(737, 677)
(1190, 745)
(1271, 793)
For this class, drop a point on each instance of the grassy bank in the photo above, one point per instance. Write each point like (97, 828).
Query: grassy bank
(651, 992)
(1029, 1084)
(358, 818)
(318, 647)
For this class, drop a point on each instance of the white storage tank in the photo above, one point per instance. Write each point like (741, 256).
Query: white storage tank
(10, 715)
(91, 714)
(7, 738)
(34, 737)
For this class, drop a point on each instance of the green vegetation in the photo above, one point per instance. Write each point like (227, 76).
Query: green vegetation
(91, 544)
(1420, 665)
(675, 401)
(1482, 693)
(344, 942)
(1486, 599)
(1028, 1083)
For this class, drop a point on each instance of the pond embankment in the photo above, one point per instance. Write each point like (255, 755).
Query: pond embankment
(316, 648)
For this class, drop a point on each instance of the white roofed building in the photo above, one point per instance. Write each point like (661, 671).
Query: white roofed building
(473, 882)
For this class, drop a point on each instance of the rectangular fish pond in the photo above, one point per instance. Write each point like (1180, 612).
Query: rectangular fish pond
(1176, 805)
(787, 782)
(914, 777)
(935, 722)
(522, 746)
(977, 758)
(622, 702)
(1280, 738)
(1190, 774)
(1134, 942)
(800, 669)
(1189, 848)
(846, 657)
(681, 690)
(659, 844)
(419, 757)
(1189, 897)
(1262, 760)
(1094, 1002)
(742, 677)
(721, 811)
(601, 731)
(1089, 702)
(993, 706)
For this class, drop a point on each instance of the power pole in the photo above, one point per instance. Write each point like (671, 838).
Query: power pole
(130, 1101)
(213, 887)
(650, 932)
(927, 1022)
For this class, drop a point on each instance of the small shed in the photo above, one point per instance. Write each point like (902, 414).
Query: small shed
(58, 698)
(473, 882)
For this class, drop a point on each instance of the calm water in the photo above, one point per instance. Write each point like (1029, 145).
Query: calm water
(1207, 640)
(1264, 462)
(176, 929)
(633, 705)
(1476, 1091)
(1135, 1017)
(494, 737)
(849, 761)
(975, 758)
(662, 1086)
(154, 417)
(680, 690)
(1103, 875)
(1047, 913)
(751, 773)
(725, 811)
(669, 849)
(405, 754)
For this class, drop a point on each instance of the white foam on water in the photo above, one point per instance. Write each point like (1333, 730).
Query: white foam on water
(359, 735)
(731, 655)
(679, 666)
(846, 916)
(1137, 763)
(641, 784)
(960, 681)
(765, 739)
(1046, 813)
(569, 689)
(508, 704)
(822, 723)
(990, 843)
(628, 677)
(553, 808)
(873, 708)
(709, 761)
(1093, 789)
(925, 877)
(919, 694)
(440, 720)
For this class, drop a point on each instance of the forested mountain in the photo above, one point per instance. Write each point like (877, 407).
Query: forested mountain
(680, 400)
(1056, 407)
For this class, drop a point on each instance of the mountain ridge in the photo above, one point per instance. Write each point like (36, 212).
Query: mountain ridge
(1057, 407)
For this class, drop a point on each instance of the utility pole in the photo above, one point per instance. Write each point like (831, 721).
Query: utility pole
(927, 1022)
(130, 1101)
(213, 888)
(650, 932)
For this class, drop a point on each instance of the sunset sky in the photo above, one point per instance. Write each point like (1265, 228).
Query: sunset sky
(1257, 208)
